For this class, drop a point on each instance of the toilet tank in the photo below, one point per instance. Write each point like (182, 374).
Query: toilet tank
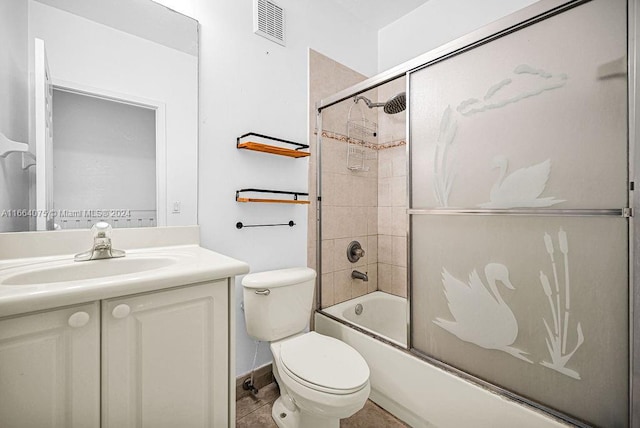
(278, 303)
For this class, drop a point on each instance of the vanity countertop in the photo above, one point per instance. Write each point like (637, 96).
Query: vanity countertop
(40, 283)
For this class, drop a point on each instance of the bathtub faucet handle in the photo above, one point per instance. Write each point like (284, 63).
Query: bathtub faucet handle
(354, 251)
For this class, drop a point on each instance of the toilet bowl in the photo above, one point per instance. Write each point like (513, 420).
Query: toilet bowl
(325, 378)
(321, 379)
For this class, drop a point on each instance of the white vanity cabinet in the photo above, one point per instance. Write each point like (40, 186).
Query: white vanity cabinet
(50, 369)
(165, 358)
(157, 359)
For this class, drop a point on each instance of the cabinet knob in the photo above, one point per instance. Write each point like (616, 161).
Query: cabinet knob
(79, 319)
(121, 311)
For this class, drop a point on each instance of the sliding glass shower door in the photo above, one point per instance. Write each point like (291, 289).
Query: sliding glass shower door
(519, 196)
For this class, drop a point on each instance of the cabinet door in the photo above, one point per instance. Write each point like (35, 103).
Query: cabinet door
(49, 369)
(165, 358)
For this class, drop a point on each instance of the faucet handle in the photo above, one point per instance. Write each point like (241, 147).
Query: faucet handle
(101, 230)
(354, 251)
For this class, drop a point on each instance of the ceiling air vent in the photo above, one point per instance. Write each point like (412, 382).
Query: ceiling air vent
(268, 21)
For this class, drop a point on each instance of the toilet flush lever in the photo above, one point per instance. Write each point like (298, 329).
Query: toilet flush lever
(264, 292)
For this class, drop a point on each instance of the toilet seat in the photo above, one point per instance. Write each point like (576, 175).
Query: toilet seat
(324, 364)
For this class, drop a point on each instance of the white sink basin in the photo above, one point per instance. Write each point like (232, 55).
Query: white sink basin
(68, 270)
(41, 283)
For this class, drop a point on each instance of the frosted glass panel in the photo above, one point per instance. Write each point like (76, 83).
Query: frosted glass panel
(537, 305)
(536, 118)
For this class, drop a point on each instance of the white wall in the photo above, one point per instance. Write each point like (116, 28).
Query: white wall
(90, 54)
(142, 18)
(14, 118)
(435, 23)
(248, 83)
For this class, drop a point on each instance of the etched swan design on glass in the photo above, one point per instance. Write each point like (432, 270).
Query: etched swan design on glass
(522, 187)
(481, 317)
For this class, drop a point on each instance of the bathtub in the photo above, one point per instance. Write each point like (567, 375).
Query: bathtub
(382, 314)
(421, 394)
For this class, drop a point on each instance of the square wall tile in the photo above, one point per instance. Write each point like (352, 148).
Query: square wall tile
(385, 249)
(384, 192)
(399, 281)
(385, 221)
(399, 221)
(385, 165)
(342, 286)
(329, 189)
(358, 191)
(312, 251)
(372, 249)
(399, 191)
(399, 161)
(334, 156)
(329, 222)
(384, 277)
(359, 288)
(399, 251)
(328, 264)
(327, 297)
(337, 222)
(356, 220)
(371, 193)
(372, 273)
(372, 220)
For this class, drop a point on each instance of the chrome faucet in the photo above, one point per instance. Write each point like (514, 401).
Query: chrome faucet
(101, 245)
(356, 274)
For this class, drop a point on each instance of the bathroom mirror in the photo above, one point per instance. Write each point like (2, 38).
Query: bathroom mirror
(104, 96)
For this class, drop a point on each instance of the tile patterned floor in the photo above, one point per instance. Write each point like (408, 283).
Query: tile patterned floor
(255, 412)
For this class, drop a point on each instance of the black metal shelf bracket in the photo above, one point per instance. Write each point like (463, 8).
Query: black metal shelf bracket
(240, 225)
(276, 192)
(299, 146)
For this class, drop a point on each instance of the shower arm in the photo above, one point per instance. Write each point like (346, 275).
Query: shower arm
(367, 101)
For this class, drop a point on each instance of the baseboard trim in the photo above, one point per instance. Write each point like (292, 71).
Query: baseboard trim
(262, 377)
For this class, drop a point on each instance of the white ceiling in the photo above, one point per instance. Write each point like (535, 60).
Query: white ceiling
(379, 13)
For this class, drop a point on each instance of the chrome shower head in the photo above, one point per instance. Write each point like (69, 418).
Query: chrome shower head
(395, 104)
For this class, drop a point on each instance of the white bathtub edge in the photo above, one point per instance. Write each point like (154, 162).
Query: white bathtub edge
(430, 396)
(398, 410)
(398, 337)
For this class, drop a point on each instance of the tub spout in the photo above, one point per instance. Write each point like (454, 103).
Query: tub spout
(359, 275)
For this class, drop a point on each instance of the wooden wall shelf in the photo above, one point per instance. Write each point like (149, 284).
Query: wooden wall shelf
(295, 195)
(268, 148)
(273, 201)
(265, 148)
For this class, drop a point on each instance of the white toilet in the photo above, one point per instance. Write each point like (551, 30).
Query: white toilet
(321, 379)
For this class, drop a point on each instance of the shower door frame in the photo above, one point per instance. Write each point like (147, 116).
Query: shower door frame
(525, 17)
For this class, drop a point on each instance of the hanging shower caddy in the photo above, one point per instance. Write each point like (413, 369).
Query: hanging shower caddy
(359, 132)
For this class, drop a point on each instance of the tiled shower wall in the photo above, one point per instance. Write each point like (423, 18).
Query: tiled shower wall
(349, 213)
(367, 205)
(392, 223)
(349, 208)
(392, 195)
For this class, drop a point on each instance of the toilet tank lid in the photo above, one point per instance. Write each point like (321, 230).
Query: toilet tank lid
(278, 278)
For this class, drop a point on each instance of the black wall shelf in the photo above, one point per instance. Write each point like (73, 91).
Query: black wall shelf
(294, 200)
(267, 148)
